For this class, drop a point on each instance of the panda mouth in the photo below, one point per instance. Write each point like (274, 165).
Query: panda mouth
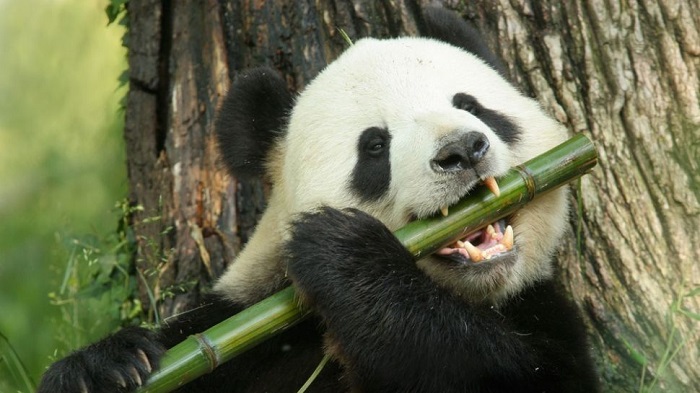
(495, 242)
(490, 244)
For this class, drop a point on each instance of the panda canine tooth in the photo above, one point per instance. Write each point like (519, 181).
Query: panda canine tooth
(444, 211)
(474, 253)
(491, 184)
(507, 240)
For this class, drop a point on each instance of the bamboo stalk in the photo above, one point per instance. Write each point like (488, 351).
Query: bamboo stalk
(201, 353)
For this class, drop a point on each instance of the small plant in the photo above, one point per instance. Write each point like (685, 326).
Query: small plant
(674, 343)
(116, 12)
(115, 9)
(11, 365)
(98, 291)
(345, 36)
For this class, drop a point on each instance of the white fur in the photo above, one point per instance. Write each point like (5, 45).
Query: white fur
(405, 85)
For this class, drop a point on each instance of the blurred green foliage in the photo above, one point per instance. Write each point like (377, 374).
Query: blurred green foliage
(62, 167)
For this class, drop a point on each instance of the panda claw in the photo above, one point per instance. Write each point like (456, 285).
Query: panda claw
(120, 380)
(135, 376)
(83, 386)
(144, 359)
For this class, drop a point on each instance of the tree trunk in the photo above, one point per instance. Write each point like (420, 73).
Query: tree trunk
(624, 73)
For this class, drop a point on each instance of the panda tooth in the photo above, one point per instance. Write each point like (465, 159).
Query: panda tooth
(492, 185)
(507, 240)
(474, 253)
(444, 210)
(491, 231)
(459, 244)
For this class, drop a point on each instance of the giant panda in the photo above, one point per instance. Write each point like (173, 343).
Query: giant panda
(391, 131)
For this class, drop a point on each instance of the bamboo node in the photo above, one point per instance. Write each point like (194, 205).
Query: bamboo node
(528, 179)
(208, 350)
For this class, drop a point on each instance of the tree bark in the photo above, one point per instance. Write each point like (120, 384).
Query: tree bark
(624, 73)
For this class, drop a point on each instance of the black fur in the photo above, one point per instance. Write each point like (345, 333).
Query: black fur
(506, 129)
(448, 26)
(251, 118)
(401, 333)
(372, 174)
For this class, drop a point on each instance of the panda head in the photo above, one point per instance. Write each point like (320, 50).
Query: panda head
(401, 129)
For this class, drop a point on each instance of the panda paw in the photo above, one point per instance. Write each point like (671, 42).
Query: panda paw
(119, 363)
(331, 248)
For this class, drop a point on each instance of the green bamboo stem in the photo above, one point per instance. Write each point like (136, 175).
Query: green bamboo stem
(202, 353)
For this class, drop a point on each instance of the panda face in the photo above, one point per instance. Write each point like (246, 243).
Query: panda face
(401, 129)
(404, 128)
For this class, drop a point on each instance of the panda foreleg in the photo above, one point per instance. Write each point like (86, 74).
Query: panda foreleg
(397, 330)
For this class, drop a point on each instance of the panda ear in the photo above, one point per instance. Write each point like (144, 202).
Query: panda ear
(251, 118)
(448, 26)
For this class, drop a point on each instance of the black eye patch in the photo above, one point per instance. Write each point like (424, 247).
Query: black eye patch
(501, 124)
(466, 103)
(372, 174)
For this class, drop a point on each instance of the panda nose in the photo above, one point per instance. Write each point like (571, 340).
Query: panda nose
(460, 154)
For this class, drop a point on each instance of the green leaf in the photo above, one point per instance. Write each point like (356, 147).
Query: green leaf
(114, 9)
(692, 293)
(637, 356)
(689, 314)
(123, 78)
(18, 373)
(112, 13)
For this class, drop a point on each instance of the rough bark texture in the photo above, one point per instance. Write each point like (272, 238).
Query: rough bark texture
(626, 73)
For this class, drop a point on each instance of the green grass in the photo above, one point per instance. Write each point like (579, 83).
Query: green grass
(675, 343)
(61, 166)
